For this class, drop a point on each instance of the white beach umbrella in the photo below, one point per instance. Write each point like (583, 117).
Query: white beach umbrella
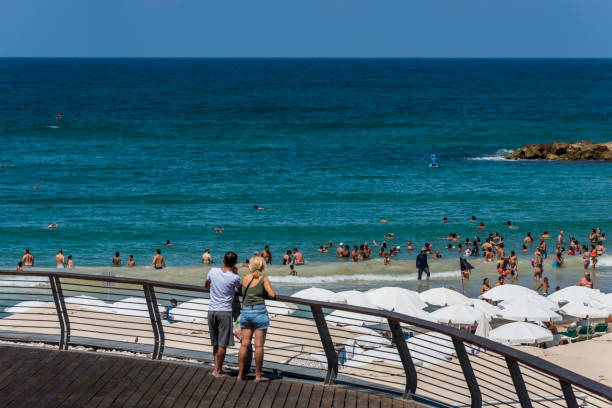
(25, 306)
(507, 292)
(521, 311)
(394, 299)
(486, 307)
(357, 298)
(280, 308)
(483, 328)
(520, 333)
(368, 340)
(192, 311)
(444, 297)
(431, 348)
(601, 301)
(532, 300)
(133, 306)
(341, 317)
(574, 294)
(457, 314)
(90, 303)
(320, 294)
(381, 354)
(414, 312)
(579, 309)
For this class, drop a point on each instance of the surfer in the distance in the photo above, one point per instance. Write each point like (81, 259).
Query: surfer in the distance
(434, 161)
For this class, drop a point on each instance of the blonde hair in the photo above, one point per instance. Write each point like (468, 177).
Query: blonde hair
(257, 266)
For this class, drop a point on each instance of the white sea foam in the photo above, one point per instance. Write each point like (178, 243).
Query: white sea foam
(368, 277)
(53, 127)
(604, 260)
(498, 156)
(24, 282)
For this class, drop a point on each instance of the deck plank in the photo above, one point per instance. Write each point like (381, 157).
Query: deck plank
(52, 378)
(192, 386)
(261, 390)
(304, 397)
(315, 396)
(281, 395)
(327, 400)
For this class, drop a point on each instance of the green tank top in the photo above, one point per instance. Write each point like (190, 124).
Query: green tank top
(255, 294)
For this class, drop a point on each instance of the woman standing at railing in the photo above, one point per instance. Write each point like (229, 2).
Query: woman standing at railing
(254, 318)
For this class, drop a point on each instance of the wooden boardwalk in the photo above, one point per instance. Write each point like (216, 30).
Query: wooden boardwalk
(34, 377)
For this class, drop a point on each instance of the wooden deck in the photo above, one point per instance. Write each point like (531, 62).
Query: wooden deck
(34, 377)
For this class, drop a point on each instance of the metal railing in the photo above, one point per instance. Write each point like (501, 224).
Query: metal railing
(335, 343)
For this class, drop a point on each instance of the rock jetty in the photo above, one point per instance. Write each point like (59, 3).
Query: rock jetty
(584, 150)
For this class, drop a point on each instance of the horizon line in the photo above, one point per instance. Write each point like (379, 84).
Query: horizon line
(298, 57)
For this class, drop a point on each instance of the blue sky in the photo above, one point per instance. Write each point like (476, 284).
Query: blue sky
(308, 28)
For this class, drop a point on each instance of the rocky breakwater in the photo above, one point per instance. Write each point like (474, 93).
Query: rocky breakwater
(584, 150)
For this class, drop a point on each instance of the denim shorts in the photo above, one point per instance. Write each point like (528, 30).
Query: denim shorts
(254, 317)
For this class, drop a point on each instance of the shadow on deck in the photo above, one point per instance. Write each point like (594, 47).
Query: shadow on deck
(36, 377)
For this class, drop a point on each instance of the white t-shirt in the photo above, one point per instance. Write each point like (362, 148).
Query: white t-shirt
(222, 286)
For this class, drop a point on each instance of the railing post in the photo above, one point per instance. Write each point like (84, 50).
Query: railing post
(62, 313)
(568, 393)
(328, 345)
(404, 353)
(156, 322)
(519, 383)
(468, 373)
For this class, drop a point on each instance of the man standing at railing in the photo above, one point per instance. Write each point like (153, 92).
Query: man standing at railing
(222, 283)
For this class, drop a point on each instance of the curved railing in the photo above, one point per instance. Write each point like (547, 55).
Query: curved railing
(336, 343)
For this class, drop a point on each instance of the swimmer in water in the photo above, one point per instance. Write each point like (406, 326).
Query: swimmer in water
(60, 261)
(131, 263)
(434, 161)
(258, 207)
(52, 225)
(58, 116)
(219, 230)
(444, 220)
(383, 220)
(158, 260)
(512, 227)
(36, 186)
(28, 258)
(168, 244)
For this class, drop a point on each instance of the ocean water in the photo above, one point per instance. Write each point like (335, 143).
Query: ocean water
(155, 149)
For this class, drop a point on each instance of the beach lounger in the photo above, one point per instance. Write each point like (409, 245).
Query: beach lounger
(568, 336)
(600, 329)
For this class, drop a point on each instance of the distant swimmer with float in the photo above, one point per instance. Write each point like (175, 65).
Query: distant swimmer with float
(434, 161)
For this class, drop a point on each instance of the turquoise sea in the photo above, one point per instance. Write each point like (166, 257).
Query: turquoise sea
(148, 150)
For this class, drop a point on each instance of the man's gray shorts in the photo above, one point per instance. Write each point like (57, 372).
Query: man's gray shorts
(220, 327)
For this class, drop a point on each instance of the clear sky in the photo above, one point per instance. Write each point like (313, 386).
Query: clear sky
(306, 28)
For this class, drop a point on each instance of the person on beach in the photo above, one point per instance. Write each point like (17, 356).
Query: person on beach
(27, 259)
(542, 247)
(586, 257)
(292, 271)
(267, 255)
(539, 268)
(206, 257)
(600, 249)
(421, 264)
(485, 286)
(222, 283)
(355, 254)
(298, 257)
(116, 260)
(60, 261)
(19, 266)
(586, 281)
(254, 318)
(131, 263)
(409, 246)
(560, 237)
(593, 236)
(158, 260)
(339, 250)
(466, 268)
(386, 260)
(593, 257)
(287, 258)
(558, 261)
(70, 262)
(437, 254)
(543, 287)
(367, 251)
(166, 314)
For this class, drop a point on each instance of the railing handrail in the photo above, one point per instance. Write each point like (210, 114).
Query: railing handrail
(537, 363)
